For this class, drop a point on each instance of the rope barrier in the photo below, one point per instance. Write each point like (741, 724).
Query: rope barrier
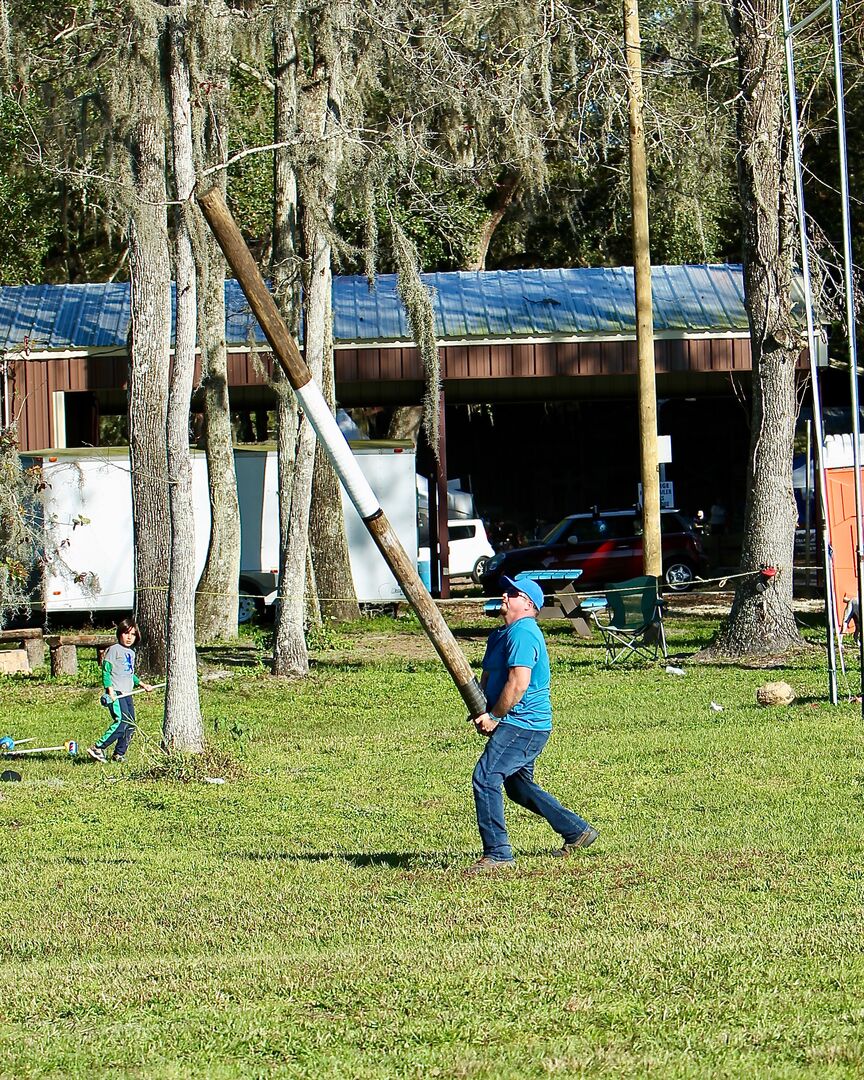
(697, 582)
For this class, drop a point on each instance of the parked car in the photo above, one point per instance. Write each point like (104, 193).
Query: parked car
(606, 547)
(469, 546)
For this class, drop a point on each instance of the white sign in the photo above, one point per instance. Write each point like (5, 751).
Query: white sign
(664, 449)
(667, 495)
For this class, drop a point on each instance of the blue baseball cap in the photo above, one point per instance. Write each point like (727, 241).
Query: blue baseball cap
(528, 587)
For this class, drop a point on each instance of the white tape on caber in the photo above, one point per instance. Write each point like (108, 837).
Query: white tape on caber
(324, 422)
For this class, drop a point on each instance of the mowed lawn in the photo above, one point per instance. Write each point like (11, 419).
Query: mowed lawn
(309, 917)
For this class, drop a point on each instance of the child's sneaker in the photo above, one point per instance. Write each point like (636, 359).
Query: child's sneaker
(97, 753)
(119, 758)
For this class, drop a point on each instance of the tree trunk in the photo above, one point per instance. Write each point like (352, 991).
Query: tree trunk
(149, 358)
(217, 597)
(761, 619)
(502, 197)
(321, 120)
(405, 423)
(337, 599)
(289, 640)
(182, 728)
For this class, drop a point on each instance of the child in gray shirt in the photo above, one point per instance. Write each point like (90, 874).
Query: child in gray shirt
(119, 680)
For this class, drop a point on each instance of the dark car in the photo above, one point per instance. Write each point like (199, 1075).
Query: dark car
(606, 546)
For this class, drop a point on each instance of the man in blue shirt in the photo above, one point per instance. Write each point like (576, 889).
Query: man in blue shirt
(516, 680)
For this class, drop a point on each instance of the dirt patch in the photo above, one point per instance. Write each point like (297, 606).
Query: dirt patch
(718, 603)
(378, 646)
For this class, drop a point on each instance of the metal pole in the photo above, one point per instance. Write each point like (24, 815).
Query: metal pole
(809, 495)
(850, 325)
(652, 554)
(830, 613)
(443, 501)
(315, 407)
(7, 412)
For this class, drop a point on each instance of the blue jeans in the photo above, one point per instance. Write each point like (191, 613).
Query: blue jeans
(508, 763)
(122, 726)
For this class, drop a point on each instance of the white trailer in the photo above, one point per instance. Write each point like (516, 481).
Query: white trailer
(87, 508)
(390, 469)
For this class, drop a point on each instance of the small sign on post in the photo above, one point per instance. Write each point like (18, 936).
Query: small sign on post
(667, 495)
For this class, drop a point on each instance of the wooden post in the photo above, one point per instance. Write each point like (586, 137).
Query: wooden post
(35, 648)
(432, 522)
(312, 401)
(443, 507)
(64, 660)
(652, 555)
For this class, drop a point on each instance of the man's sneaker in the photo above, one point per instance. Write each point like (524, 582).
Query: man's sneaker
(585, 840)
(487, 865)
(97, 753)
(118, 757)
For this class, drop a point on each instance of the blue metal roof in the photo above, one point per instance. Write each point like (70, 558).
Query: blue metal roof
(472, 306)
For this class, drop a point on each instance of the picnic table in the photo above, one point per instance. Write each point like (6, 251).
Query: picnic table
(559, 578)
(31, 651)
(64, 650)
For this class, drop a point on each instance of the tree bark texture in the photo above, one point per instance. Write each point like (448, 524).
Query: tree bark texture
(761, 619)
(321, 121)
(217, 596)
(337, 599)
(182, 729)
(289, 640)
(149, 359)
(405, 423)
(506, 191)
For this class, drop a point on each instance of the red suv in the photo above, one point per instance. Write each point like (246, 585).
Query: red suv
(606, 546)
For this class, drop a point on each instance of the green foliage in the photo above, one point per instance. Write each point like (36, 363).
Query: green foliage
(28, 195)
(309, 918)
(250, 180)
(441, 215)
(19, 531)
(212, 764)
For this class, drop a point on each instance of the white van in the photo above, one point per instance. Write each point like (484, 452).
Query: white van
(470, 549)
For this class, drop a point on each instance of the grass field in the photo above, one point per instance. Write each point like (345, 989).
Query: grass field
(309, 917)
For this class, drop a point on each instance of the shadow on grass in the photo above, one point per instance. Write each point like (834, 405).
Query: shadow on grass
(396, 860)
(232, 655)
(472, 632)
(410, 860)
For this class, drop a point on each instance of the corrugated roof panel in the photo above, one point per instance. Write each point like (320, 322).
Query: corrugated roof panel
(240, 325)
(456, 316)
(699, 305)
(666, 306)
(369, 311)
(114, 316)
(580, 308)
(722, 289)
(497, 307)
(489, 305)
(388, 308)
(612, 300)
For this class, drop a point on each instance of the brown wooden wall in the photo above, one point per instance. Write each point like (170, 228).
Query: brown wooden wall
(543, 359)
(36, 380)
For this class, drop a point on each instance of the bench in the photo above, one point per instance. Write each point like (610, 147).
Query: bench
(64, 650)
(579, 609)
(547, 580)
(31, 651)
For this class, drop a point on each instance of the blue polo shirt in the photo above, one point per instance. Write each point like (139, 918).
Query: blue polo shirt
(521, 644)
